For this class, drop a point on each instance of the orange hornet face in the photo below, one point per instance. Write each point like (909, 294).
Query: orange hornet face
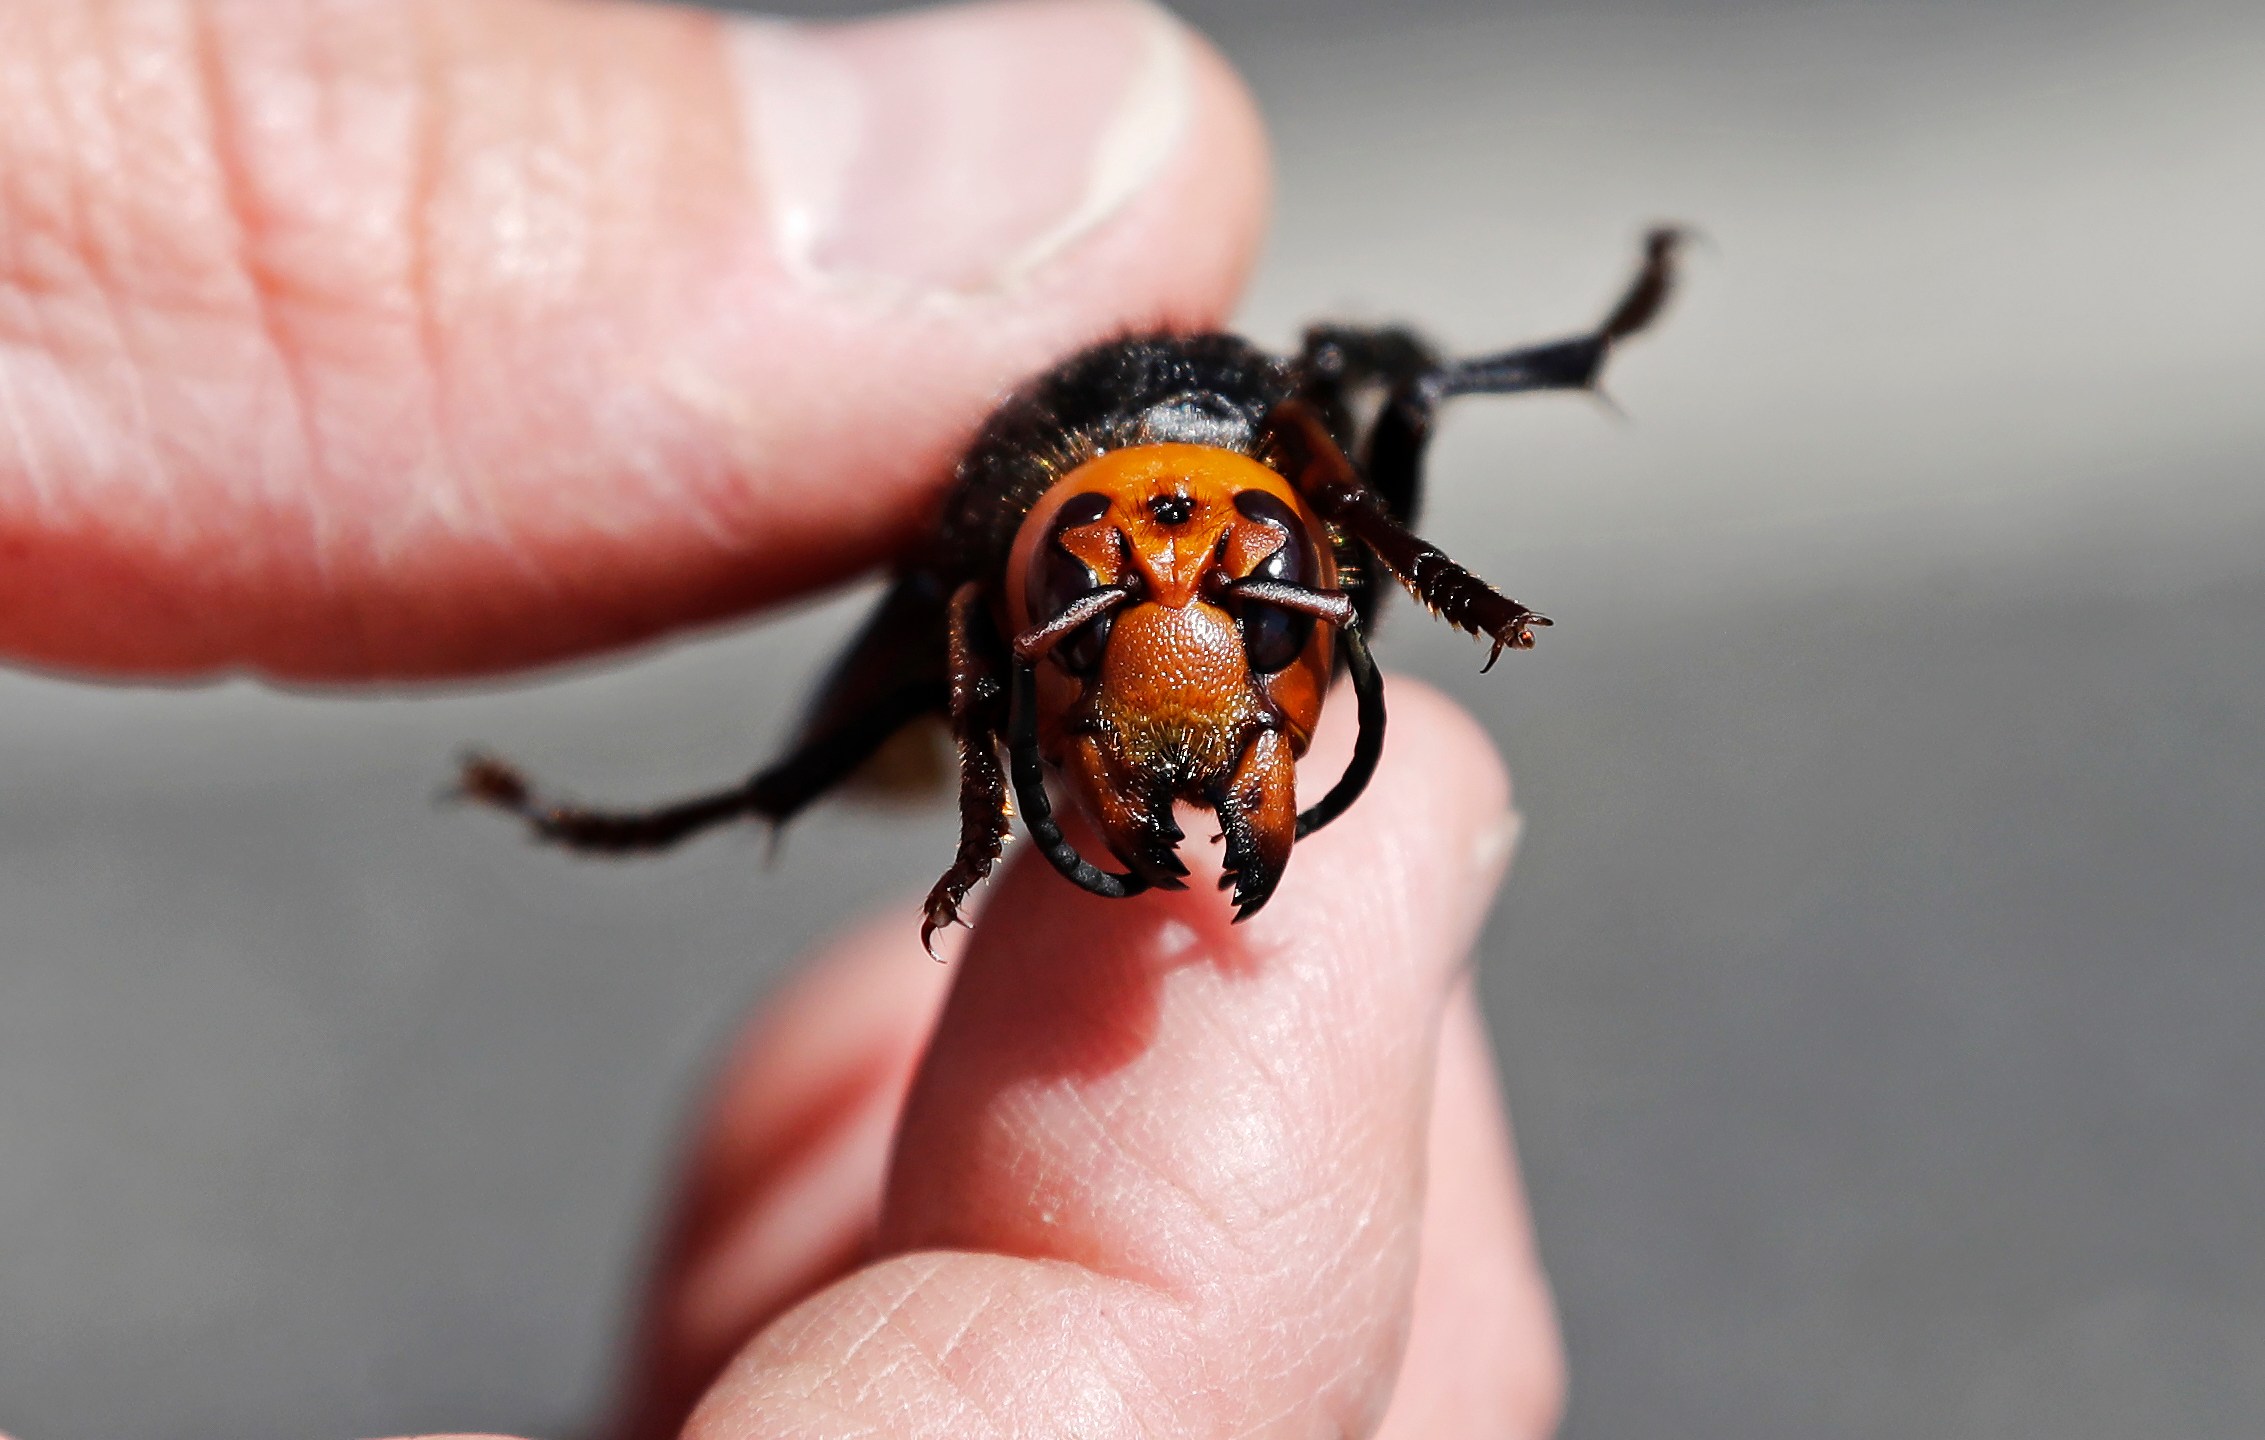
(1174, 601)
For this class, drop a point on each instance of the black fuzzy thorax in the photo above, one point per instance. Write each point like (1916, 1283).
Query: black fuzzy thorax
(1210, 389)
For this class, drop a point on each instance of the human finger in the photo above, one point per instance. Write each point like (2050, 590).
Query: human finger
(345, 341)
(783, 1186)
(1160, 1173)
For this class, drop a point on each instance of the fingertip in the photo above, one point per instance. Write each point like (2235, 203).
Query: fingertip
(885, 363)
(1146, 1090)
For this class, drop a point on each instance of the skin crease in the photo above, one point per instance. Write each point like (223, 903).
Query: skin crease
(274, 398)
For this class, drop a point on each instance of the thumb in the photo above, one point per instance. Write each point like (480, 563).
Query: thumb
(351, 341)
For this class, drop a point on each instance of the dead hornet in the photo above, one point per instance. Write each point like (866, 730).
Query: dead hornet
(1152, 562)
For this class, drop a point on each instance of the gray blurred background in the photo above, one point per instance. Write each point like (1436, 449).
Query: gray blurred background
(1881, 987)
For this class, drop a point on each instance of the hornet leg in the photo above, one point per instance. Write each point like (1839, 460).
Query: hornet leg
(890, 675)
(1417, 382)
(774, 794)
(1338, 494)
(979, 722)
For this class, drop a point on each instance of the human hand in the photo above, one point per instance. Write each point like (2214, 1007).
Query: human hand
(361, 341)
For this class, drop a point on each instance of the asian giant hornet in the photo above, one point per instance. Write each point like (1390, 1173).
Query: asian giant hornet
(1153, 560)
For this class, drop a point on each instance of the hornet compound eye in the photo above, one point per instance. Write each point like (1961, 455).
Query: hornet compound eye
(1273, 636)
(1058, 580)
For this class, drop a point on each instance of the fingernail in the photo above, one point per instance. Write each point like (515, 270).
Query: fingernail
(956, 150)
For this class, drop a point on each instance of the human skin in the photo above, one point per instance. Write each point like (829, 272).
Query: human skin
(352, 341)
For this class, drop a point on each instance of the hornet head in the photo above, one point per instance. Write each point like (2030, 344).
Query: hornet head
(1174, 613)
